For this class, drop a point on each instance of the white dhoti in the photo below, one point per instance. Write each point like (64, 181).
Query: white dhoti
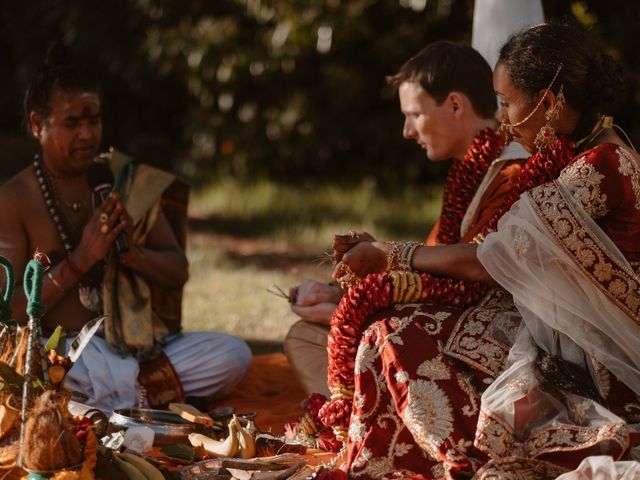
(207, 363)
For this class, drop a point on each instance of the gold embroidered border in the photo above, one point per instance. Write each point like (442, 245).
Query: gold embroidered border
(620, 284)
(471, 340)
(629, 168)
(519, 468)
(496, 438)
(583, 180)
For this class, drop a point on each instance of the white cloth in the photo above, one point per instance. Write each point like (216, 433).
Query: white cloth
(603, 467)
(494, 21)
(207, 363)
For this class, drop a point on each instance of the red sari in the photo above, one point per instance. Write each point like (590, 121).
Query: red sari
(421, 369)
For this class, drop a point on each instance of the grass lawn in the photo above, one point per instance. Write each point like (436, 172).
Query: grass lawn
(245, 239)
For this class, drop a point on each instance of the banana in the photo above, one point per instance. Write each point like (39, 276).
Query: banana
(129, 469)
(149, 471)
(225, 448)
(246, 442)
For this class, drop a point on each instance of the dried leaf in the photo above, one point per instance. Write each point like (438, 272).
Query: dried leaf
(12, 379)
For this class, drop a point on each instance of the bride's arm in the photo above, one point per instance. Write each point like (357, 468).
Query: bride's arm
(456, 261)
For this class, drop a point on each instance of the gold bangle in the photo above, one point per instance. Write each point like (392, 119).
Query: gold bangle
(55, 282)
(409, 258)
(391, 258)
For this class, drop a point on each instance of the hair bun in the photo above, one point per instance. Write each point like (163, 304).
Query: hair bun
(605, 80)
(58, 55)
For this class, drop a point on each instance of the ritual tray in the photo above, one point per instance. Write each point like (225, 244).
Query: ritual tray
(169, 428)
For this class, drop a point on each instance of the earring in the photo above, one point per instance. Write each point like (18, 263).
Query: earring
(546, 136)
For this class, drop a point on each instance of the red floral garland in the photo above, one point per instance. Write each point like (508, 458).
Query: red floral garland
(309, 429)
(374, 293)
(540, 168)
(463, 179)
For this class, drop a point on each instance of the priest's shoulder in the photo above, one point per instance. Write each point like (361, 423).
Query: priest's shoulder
(20, 188)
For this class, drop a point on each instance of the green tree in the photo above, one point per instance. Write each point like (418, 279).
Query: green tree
(288, 89)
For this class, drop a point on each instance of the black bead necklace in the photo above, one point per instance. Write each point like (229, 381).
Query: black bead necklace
(51, 202)
(89, 286)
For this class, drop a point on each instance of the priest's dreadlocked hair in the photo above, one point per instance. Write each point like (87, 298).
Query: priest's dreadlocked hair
(58, 72)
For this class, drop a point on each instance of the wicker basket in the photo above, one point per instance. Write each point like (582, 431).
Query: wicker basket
(9, 415)
(8, 467)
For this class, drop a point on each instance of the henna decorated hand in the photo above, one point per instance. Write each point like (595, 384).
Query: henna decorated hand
(343, 243)
(363, 259)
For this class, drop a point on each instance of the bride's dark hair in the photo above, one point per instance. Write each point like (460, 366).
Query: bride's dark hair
(591, 78)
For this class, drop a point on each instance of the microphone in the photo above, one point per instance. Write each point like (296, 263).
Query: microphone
(100, 180)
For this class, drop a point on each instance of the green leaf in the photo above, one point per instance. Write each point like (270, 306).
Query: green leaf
(37, 386)
(178, 450)
(57, 341)
(12, 379)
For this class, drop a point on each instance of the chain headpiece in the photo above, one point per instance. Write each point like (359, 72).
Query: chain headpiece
(504, 126)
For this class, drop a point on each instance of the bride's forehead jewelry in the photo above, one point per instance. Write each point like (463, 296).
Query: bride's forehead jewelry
(504, 125)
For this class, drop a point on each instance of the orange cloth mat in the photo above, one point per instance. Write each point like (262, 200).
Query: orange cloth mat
(271, 390)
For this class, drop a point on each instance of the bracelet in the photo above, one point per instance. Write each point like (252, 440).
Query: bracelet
(407, 254)
(73, 267)
(391, 257)
(55, 282)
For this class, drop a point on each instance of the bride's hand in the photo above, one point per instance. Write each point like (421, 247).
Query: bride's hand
(343, 243)
(363, 259)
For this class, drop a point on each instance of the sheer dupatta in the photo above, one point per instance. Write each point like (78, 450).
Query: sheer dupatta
(580, 300)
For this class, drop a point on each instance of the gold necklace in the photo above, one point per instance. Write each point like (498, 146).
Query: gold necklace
(601, 125)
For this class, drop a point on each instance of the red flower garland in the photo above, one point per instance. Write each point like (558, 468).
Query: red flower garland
(373, 293)
(463, 179)
(540, 168)
(310, 430)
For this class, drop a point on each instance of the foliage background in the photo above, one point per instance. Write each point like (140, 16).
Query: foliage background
(287, 90)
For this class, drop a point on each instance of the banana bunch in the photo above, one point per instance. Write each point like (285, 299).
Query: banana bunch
(136, 467)
(239, 442)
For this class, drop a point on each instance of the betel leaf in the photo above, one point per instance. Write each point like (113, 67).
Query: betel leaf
(57, 341)
(178, 450)
(12, 379)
